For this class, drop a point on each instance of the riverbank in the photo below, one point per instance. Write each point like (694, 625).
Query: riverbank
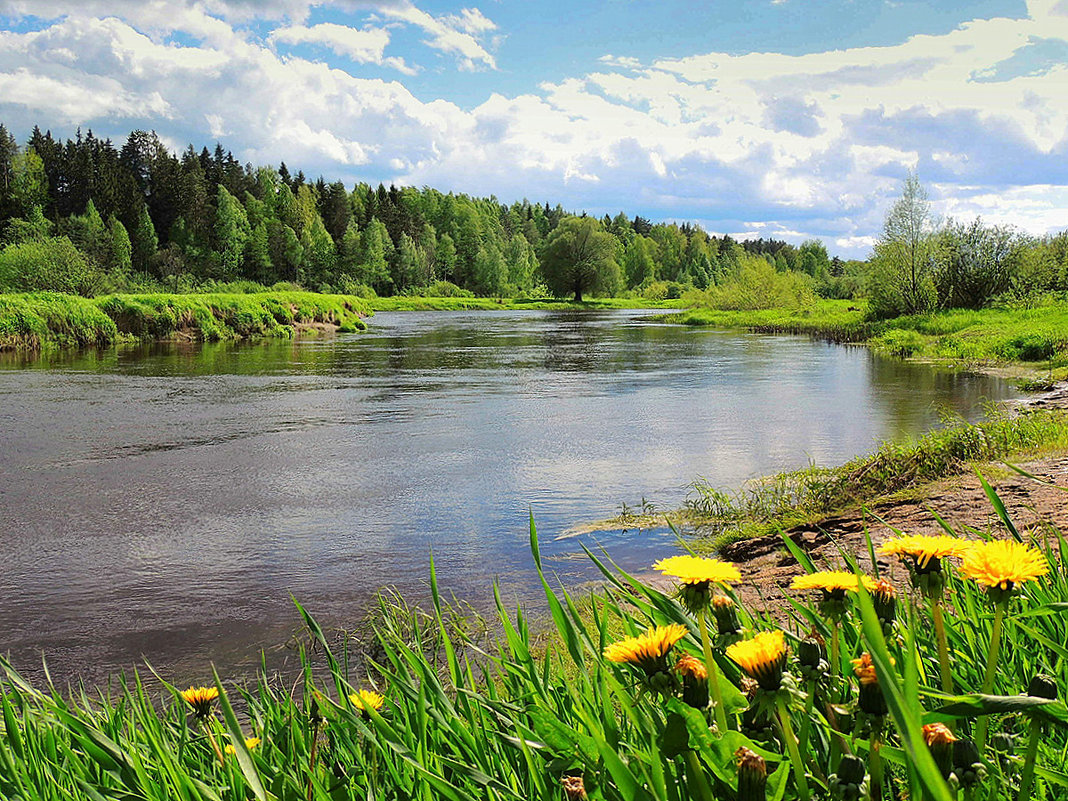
(1024, 343)
(41, 320)
(898, 473)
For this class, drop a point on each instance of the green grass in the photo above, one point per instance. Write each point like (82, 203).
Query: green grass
(504, 719)
(1037, 336)
(40, 320)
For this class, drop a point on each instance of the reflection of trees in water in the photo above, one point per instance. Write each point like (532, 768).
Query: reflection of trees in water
(907, 393)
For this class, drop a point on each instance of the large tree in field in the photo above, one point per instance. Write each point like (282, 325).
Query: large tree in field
(580, 257)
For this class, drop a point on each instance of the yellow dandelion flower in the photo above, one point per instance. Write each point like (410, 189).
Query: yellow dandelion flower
(831, 581)
(935, 734)
(250, 743)
(365, 699)
(691, 667)
(646, 650)
(201, 699)
(923, 548)
(761, 657)
(698, 570)
(1003, 564)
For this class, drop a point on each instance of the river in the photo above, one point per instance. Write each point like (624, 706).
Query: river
(165, 501)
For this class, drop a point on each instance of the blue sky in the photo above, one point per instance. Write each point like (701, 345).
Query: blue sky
(785, 118)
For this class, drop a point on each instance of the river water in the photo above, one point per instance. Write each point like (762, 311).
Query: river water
(164, 502)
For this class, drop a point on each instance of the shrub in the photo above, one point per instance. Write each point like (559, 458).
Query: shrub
(51, 265)
(757, 285)
(447, 289)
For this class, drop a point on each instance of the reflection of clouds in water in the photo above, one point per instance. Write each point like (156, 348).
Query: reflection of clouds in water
(328, 468)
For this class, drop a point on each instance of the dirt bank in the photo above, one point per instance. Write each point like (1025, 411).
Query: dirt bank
(960, 501)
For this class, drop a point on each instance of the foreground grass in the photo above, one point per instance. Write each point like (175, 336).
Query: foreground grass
(784, 500)
(459, 718)
(46, 319)
(1038, 335)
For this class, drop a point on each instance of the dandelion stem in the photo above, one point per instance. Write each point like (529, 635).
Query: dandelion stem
(697, 777)
(214, 742)
(991, 670)
(943, 645)
(311, 758)
(718, 708)
(791, 747)
(875, 761)
(806, 721)
(1028, 776)
(836, 658)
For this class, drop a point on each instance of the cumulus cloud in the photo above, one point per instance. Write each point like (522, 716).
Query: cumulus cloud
(458, 35)
(364, 46)
(785, 145)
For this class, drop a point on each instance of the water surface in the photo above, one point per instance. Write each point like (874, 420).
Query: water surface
(165, 501)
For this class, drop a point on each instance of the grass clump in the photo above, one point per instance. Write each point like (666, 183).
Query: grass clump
(843, 696)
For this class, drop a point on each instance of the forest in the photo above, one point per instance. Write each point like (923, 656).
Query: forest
(139, 217)
(84, 217)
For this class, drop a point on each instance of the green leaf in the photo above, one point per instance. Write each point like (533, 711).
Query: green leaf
(676, 737)
(909, 727)
(975, 704)
(237, 737)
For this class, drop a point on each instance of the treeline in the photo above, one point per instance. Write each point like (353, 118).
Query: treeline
(84, 216)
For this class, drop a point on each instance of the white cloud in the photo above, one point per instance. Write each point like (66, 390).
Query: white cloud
(812, 144)
(457, 35)
(364, 46)
(625, 62)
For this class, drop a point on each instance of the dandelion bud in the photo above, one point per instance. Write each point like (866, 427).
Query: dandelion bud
(850, 783)
(694, 681)
(884, 599)
(758, 726)
(1043, 686)
(574, 788)
(968, 768)
(940, 740)
(752, 775)
(812, 658)
(726, 616)
(870, 695)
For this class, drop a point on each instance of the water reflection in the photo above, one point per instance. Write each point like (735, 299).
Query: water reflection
(165, 500)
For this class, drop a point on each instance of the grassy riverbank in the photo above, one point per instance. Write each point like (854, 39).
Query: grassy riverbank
(1036, 337)
(37, 320)
(774, 503)
(444, 715)
(45, 319)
